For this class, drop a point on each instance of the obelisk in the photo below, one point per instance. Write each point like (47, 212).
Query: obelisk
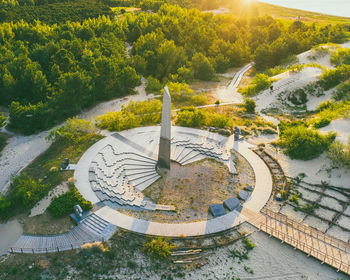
(165, 132)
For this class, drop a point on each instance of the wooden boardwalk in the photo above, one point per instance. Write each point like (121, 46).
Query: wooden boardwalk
(311, 241)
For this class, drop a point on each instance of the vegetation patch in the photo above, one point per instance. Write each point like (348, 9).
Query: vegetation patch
(63, 205)
(259, 83)
(159, 248)
(339, 153)
(300, 142)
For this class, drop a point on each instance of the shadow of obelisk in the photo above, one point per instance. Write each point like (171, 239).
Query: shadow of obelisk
(165, 132)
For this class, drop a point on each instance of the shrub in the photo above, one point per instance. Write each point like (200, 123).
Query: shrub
(202, 68)
(74, 131)
(249, 105)
(341, 56)
(153, 85)
(342, 92)
(180, 92)
(25, 191)
(298, 97)
(190, 117)
(133, 115)
(300, 142)
(2, 119)
(332, 77)
(5, 208)
(339, 153)
(64, 204)
(321, 122)
(159, 248)
(248, 245)
(259, 83)
(29, 118)
(295, 199)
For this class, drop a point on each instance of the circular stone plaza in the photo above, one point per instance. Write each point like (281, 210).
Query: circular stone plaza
(115, 171)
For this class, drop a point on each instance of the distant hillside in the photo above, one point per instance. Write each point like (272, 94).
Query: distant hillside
(287, 14)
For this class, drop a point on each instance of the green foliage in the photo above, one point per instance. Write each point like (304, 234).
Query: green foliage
(182, 94)
(321, 122)
(52, 13)
(339, 153)
(308, 208)
(333, 110)
(249, 105)
(295, 199)
(159, 248)
(135, 114)
(332, 77)
(2, 119)
(63, 205)
(298, 97)
(343, 91)
(248, 244)
(153, 85)
(340, 56)
(29, 118)
(259, 83)
(300, 142)
(5, 208)
(23, 194)
(74, 131)
(190, 117)
(202, 68)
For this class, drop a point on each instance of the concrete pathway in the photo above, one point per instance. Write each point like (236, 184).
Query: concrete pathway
(257, 200)
(91, 229)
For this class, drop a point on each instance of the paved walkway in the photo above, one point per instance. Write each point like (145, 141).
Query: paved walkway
(91, 229)
(257, 200)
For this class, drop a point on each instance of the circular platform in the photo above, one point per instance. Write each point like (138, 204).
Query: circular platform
(116, 170)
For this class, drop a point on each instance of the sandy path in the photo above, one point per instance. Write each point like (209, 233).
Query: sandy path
(21, 150)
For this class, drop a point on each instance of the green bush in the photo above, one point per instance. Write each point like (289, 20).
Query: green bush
(133, 115)
(29, 118)
(302, 143)
(190, 117)
(321, 122)
(341, 56)
(25, 191)
(259, 83)
(2, 120)
(5, 208)
(153, 85)
(249, 105)
(159, 248)
(342, 92)
(64, 204)
(332, 77)
(74, 131)
(248, 245)
(339, 153)
(202, 68)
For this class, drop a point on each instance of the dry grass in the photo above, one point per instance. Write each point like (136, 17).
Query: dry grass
(45, 224)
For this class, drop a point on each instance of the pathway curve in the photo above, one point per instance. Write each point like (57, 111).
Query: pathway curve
(230, 93)
(257, 200)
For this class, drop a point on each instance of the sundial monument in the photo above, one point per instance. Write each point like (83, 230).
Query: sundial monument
(165, 132)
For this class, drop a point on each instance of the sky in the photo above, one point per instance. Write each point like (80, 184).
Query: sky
(330, 7)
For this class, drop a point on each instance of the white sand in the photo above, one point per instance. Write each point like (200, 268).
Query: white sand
(331, 202)
(341, 126)
(42, 205)
(339, 233)
(308, 194)
(317, 170)
(344, 222)
(316, 223)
